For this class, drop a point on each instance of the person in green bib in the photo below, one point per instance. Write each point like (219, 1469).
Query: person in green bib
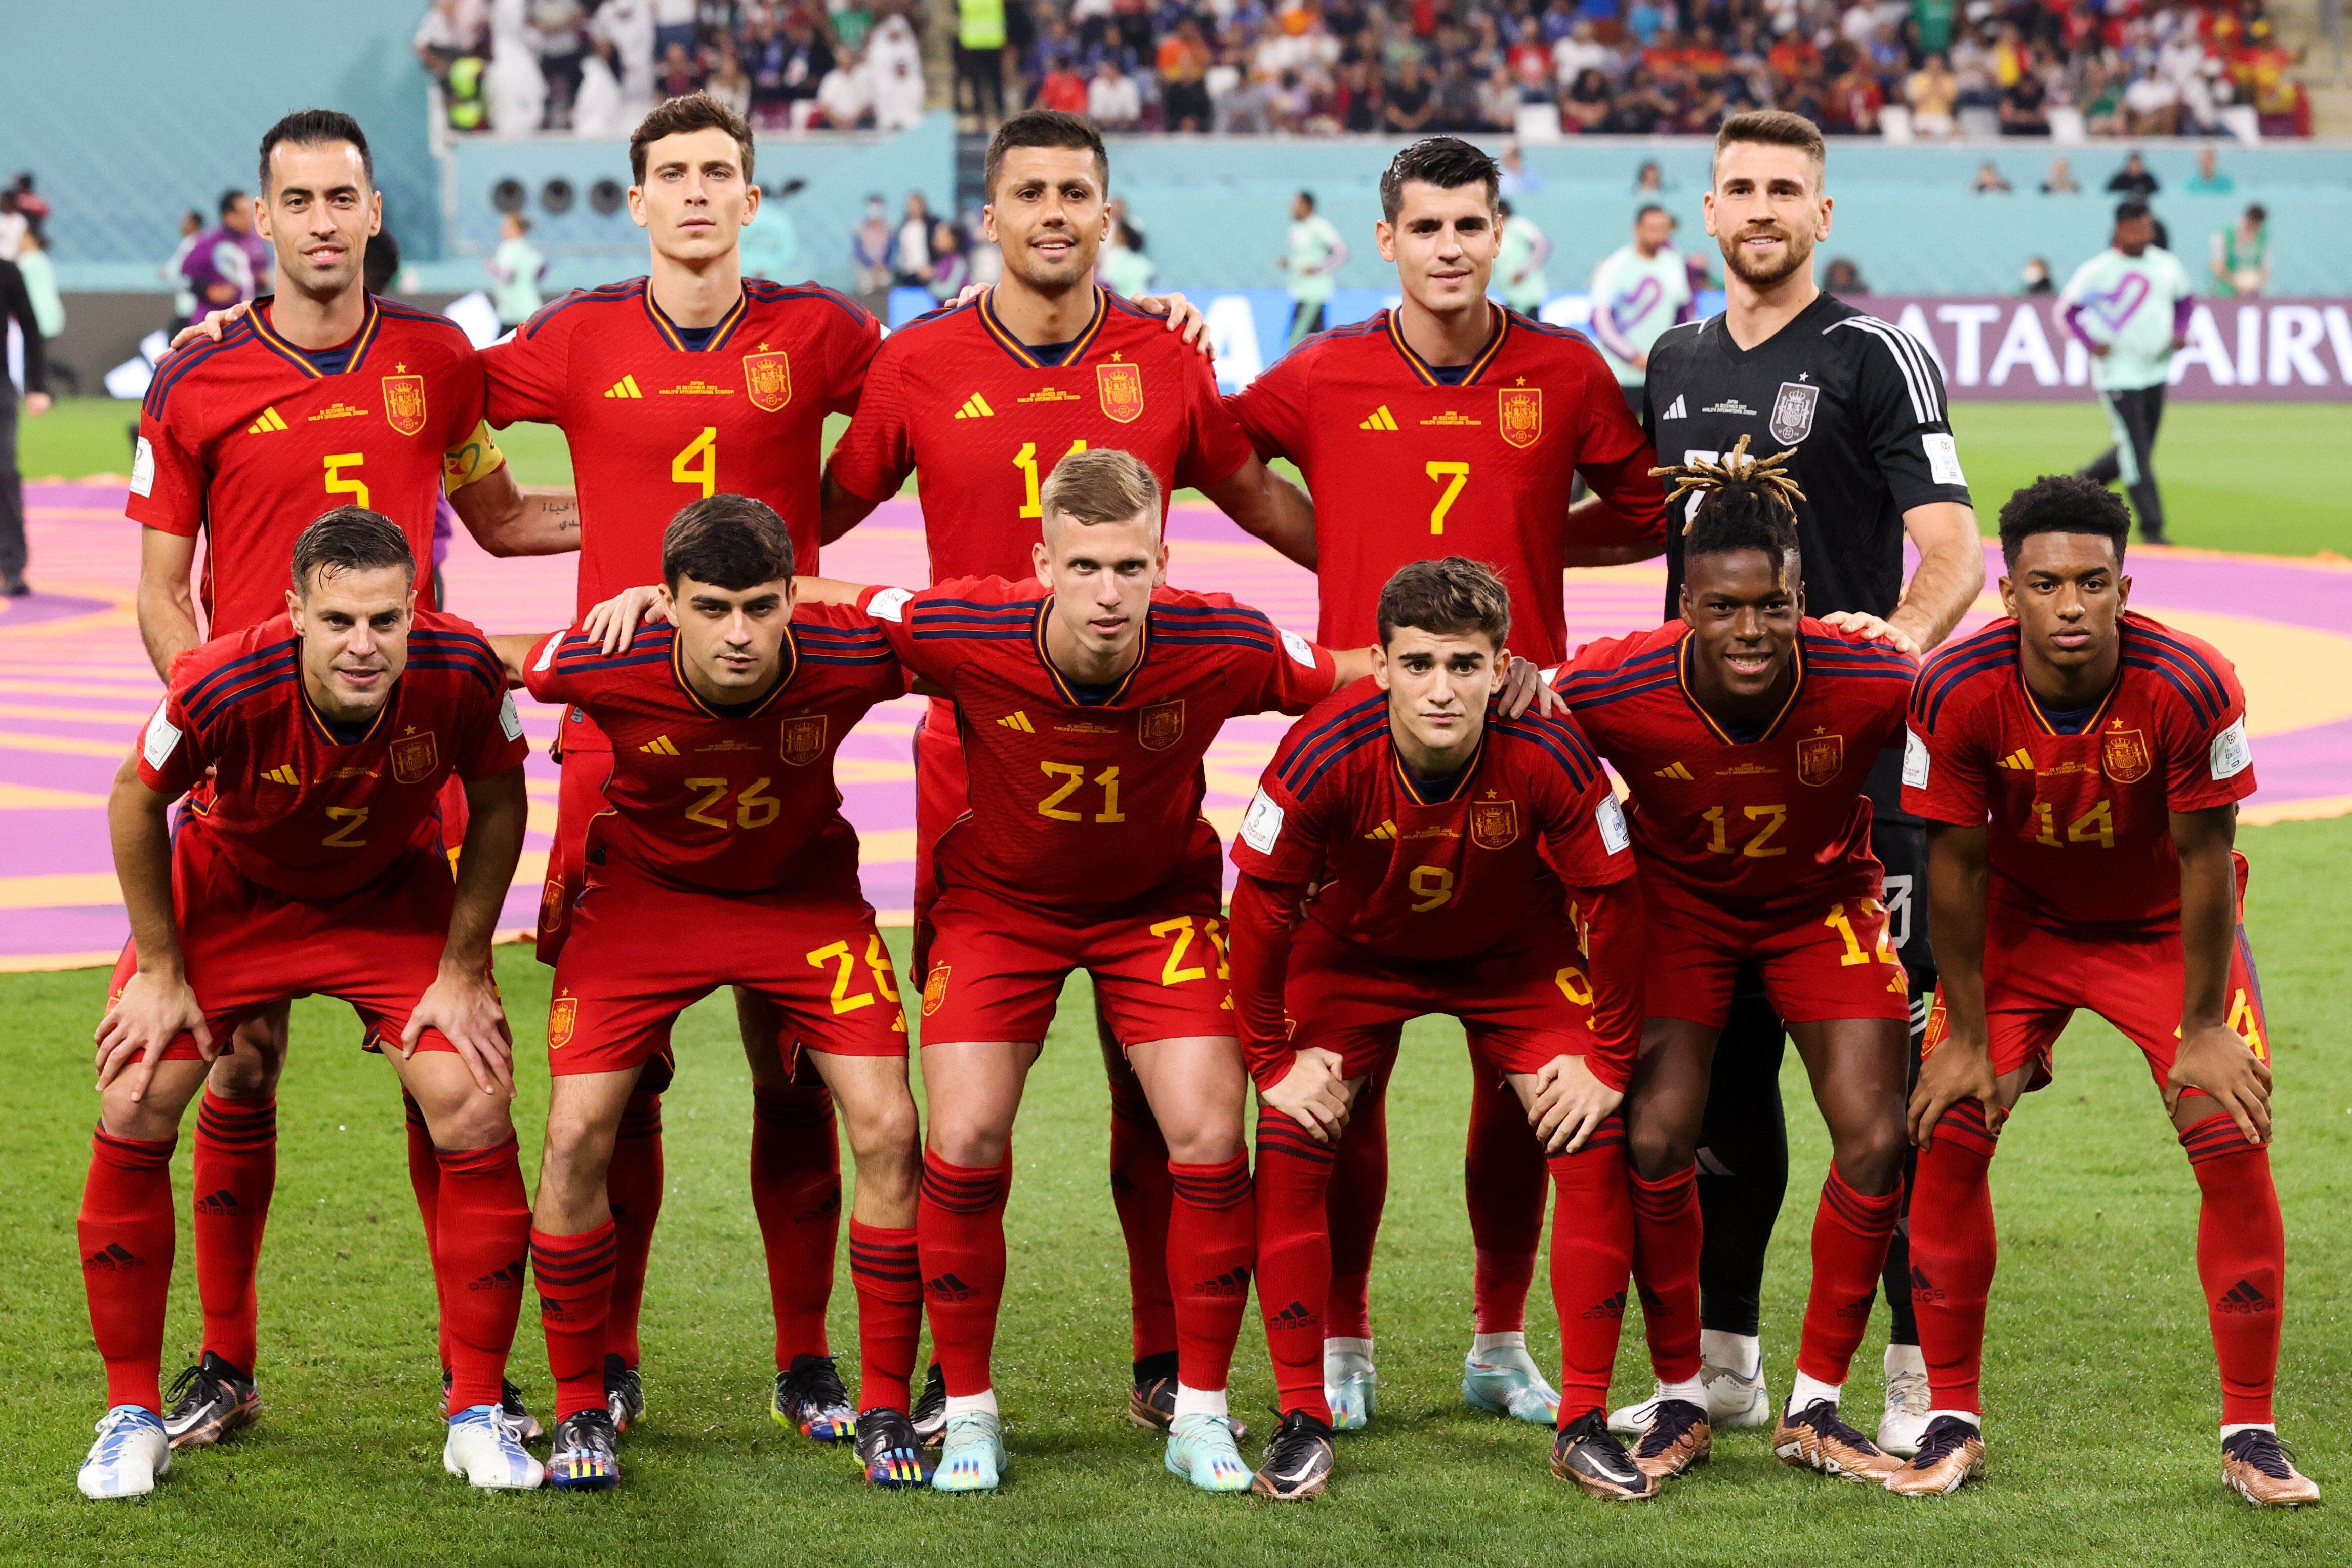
(2129, 306)
(1316, 255)
(1638, 292)
(2241, 255)
(1518, 266)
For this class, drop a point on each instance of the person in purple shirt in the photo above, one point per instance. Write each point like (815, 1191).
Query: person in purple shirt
(229, 264)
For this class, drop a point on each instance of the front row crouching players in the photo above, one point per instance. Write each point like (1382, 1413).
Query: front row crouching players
(1746, 730)
(721, 820)
(1408, 853)
(312, 750)
(2079, 768)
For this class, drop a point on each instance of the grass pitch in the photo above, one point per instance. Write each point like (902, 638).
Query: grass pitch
(2099, 1373)
(2267, 478)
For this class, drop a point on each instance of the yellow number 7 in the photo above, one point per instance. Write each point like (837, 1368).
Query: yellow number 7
(1455, 476)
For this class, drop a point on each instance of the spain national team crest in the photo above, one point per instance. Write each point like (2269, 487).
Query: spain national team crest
(1494, 824)
(1122, 390)
(414, 757)
(804, 739)
(404, 403)
(2125, 755)
(1160, 725)
(935, 989)
(551, 904)
(768, 377)
(1521, 414)
(1792, 411)
(1820, 759)
(563, 1017)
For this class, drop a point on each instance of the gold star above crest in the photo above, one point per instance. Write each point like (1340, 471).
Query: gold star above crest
(763, 348)
(399, 367)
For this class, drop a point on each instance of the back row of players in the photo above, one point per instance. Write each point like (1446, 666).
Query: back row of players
(1430, 898)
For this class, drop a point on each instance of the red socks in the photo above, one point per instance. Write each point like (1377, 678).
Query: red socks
(885, 1267)
(236, 1170)
(1850, 1233)
(1591, 1253)
(960, 1239)
(1294, 1257)
(483, 1233)
(425, 1179)
(796, 1193)
(1358, 1192)
(127, 1234)
(1142, 1194)
(1502, 1180)
(1667, 1236)
(2240, 1261)
(1212, 1237)
(574, 1274)
(1953, 1253)
(633, 1186)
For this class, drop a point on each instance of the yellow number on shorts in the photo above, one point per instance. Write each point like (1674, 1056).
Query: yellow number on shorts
(1881, 950)
(1072, 776)
(1172, 972)
(704, 475)
(877, 962)
(339, 486)
(1719, 840)
(714, 791)
(838, 954)
(1455, 476)
(1433, 885)
(1025, 460)
(353, 819)
(1215, 932)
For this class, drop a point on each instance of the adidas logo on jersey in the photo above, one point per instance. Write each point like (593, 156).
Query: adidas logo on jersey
(1674, 410)
(1385, 830)
(283, 773)
(269, 420)
(1673, 771)
(1382, 420)
(975, 407)
(1016, 720)
(2019, 759)
(625, 387)
(660, 746)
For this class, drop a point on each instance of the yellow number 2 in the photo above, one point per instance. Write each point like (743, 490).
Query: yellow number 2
(1455, 476)
(352, 819)
(339, 486)
(704, 475)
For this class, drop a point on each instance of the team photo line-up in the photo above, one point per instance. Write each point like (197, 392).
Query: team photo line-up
(330, 800)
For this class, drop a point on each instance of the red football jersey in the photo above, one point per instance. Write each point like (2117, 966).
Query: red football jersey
(1404, 467)
(1748, 823)
(956, 395)
(652, 425)
(2079, 803)
(1476, 868)
(741, 799)
(1083, 799)
(250, 439)
(298, 807)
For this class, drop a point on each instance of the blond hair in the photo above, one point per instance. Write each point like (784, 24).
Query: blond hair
(1101, 484)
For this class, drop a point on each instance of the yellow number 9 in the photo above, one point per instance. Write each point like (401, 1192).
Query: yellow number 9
(1433, 885)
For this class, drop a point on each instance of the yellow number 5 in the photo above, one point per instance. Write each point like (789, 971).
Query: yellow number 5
(339, 486)
(685, 471)
(1455, 476)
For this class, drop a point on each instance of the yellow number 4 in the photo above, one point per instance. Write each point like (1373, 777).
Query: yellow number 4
(1455, 476)
(704, 475)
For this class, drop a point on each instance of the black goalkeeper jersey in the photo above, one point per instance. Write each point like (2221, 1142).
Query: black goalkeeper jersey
(1862, 405)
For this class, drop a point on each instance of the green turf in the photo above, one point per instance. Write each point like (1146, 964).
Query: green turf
(2100, 1383)
(2263, 478)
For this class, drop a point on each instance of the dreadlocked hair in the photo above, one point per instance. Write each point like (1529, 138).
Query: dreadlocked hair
(1744, 503)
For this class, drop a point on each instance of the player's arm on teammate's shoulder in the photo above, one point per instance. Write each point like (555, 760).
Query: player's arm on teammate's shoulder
(211, 325)
(463, 999)
(157, 1002)
(1960, 1066)
(1269, 507)
(167, 597)
(1951, 573)
(1624, 519)
(2213, 1055)
(508, 519)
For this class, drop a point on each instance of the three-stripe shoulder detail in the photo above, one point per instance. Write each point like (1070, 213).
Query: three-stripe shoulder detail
(1919, 378)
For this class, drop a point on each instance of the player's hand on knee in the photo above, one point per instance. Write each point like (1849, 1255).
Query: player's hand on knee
(1953, 1071)
(1183, 316)
(1524, 686)
(1873, 628)
(464, 1005)
(1313, 1094)
(2213, 1059)
(1569, 1104)
(615, 622)
(148, 1016)
(213, 324)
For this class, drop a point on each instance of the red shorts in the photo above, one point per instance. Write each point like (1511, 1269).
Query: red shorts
(2036, 976)
(997, 968)
(1824, 961)
(582, 797)
(247, 946)
(941, 794)
(640, 952)
(1520, 1009)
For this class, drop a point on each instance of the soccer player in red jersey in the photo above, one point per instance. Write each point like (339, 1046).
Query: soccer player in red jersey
(312, 750)
(982, 400)
(322, 393)
(1408, 853)
(2079, 766)
(688, 383)
(1746, 730)
(1449, 425)
(722, 820)
(1087, 698)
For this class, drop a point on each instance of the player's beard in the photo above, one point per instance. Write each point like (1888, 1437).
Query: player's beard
(1796, 253)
